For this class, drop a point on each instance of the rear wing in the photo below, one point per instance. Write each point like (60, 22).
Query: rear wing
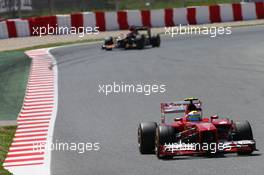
(142, 28)
(179, 106)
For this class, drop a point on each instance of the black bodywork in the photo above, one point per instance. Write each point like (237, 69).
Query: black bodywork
(141, 38)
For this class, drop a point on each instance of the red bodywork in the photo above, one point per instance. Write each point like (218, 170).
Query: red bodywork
(212, 131)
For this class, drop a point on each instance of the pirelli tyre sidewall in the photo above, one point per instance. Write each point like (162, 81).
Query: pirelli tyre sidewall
(243, 131)
(164, 135)
(146, 137)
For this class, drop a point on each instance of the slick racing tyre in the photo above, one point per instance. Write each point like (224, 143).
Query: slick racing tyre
(243, 131)
(146, 137)
(164, 135)
(155, 41)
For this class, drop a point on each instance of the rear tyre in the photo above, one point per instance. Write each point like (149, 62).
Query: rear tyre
(155, 41)
(140, 41)
(146, 137)
(164, 135)
(243, 131)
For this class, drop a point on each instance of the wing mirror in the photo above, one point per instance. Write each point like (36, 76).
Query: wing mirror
(214, 117)
(178, 119)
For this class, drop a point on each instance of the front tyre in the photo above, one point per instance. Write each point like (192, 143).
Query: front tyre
(146, 137)
(243, 131)
(164, 135)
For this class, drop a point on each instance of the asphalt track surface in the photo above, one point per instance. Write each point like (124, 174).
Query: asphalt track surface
(226, 73)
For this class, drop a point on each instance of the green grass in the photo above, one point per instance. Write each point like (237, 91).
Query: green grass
(6, 136)
(14, 70)
(57, 44)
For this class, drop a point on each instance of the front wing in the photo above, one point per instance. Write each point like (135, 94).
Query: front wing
(192, 149)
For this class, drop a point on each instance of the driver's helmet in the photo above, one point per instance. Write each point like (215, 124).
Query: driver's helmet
(132, 28)
(194, 116)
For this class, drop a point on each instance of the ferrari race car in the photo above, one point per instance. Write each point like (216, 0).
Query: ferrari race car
(138, 38)
(193, 135)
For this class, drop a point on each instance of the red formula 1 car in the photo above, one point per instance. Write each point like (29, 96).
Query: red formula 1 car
(193, 135)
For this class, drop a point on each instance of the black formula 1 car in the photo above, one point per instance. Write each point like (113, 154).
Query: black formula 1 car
(191, 134)
(138, 38)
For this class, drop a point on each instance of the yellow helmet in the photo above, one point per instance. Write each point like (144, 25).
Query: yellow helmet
(194, 116)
